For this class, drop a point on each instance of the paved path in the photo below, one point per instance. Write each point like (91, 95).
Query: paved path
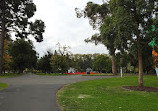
(35, 93)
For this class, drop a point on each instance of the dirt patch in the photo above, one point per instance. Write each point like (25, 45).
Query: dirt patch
(137, 88)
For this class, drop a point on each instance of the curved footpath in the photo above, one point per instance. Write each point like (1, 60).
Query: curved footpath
(35, 93)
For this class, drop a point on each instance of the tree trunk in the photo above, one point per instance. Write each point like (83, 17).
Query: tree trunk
(140, 62)
(2, 44)
(2, 36)
(1, 52)
(114, 69)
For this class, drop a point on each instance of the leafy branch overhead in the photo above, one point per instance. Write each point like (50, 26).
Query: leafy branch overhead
(94, 12)
(96, 39)
(100, 17)
(15, 14)
(37, 29)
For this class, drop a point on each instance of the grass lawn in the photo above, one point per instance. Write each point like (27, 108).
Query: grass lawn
(108, 95)
(6, 75)
(102, 74)
(59, 74)
(50, 74)
(110, 74)
(3, 85)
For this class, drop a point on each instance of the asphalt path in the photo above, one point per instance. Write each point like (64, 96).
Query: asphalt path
(35, 93)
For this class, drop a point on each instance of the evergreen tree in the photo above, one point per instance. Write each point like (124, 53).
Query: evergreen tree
(22, 55)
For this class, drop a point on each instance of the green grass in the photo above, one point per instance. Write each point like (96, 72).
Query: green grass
(50, 74)
(102, 74)
(110, 74)
(108, 95)
(7, 75)
(3, 85)
(59, 74)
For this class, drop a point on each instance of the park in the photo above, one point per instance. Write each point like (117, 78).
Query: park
(103, 56)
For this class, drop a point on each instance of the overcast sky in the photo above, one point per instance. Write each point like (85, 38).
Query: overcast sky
(64, 27)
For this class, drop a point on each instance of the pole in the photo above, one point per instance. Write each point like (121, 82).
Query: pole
(121, 72)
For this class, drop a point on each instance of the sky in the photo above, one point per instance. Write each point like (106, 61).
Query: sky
(62, 26)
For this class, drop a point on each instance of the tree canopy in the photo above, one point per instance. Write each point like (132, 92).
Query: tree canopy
(100, 17)
(44, 63)
(14, 18)
(102, 64)
(22, 55)
(133, 18)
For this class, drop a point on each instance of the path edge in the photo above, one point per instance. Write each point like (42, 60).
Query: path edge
(57, 100)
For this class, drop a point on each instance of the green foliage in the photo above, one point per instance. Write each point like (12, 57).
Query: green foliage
(109, 34)
(37, 29)
(15, 15)
(95, 12)
(108, 95)
(61, 60)
(100, 16)
(132, 18)
(102, 64)
(59, 63)
(23, 55)
(148, 63)
(83, 61)
(44, 63)
(128, 60)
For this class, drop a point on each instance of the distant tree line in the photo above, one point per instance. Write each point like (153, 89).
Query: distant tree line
(62, 59)
(20, 55)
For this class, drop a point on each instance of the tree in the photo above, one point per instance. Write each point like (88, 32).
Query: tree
(63, 50)
(100, 16)
(14, 17)
(61, 60)
(44, 63)
(78, 62)
(102, 64)
(22, 55)
(109, 39)
(132, 18)
(83, 61)
(59, 63)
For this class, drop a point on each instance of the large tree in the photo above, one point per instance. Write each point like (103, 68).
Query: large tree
(100, 16)
(14, 18)
(133, 18)
(22, 55)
